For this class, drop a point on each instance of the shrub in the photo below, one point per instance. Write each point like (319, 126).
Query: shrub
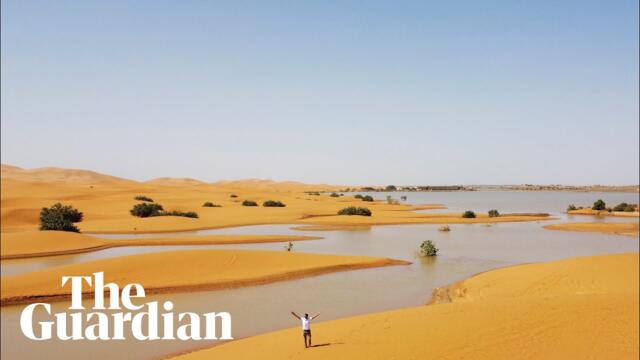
(367, 198)
(233, 195)
(599, 205)
(289, 246)
(358, 196)
(146, 210)
(143, 198)
(403, 198)
(625, 207)
(428, 248)
(392, 201)
(60, 217)
(189, 214)
(352, 210)
(249, 203)
(469, 214)
(315, 193)
(571, 207)
(210, 204)
(630, 208)
(334, 195)
(273, 203)
(390, 188)
(494, 213)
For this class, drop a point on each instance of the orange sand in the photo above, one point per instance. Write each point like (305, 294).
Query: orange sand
(185, 270)
(14, 245)
(588, 211)
(629, 229)
(106, 201)
(570, 309)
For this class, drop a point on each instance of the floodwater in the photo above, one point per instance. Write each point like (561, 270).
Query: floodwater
(465, 251)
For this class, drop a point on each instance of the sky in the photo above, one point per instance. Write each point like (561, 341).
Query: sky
(342, 92)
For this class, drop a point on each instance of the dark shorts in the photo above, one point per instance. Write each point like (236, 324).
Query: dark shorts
(306, 332)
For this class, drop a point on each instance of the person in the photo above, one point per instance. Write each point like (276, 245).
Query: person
(306, 327)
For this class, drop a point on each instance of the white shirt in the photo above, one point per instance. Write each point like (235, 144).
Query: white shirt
(306, 323)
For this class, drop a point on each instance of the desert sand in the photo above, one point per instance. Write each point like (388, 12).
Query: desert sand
(16, 245)
(106, 200)
(570, 309)
(626, 228)
(185, 270)
(588, 211)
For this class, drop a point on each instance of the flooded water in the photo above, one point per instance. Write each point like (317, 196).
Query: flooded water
(465, 251)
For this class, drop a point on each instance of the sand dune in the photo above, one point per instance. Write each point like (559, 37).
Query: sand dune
(629, 229)
(168, 181)
(106, 206)
(582, 308)
(54, 174)
(27, 244)
(185, 270)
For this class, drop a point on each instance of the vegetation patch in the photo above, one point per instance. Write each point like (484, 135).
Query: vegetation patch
(144, 210)
(273, 203)
(428, 248)
(494, 213)
(249, 203)
(143, 198)
(469, 214)
(210, 204)
(60, 217)
(352, 210)
(189, 214)
(367, 198)
(599, 205)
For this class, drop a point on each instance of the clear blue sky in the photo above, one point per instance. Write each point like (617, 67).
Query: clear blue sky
(347, 92)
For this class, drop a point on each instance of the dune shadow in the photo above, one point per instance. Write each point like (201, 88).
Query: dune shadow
(326, 344)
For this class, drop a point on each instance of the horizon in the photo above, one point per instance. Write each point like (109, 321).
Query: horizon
(336, 93)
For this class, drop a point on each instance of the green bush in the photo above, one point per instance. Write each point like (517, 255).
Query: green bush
(571, 208)
(210, 204)
(315, 193)
(358, 196)
(494, 213)
(273, 203)
(334, 195)
(620, 207)
(249, 203)
(367, 198)
(60, 217)
(428, 248)
(469, 214)
(189, 214)
(146, 210)
(630, 208)
(599, 205)
(143, 198)
(352, 210)
(391, 188)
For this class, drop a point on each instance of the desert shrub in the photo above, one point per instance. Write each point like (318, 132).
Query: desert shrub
(390, 188)
(469, 214)
(60, 217)
(143, 198)
(249, 203)
(358, 196)
(630, 208)
(210, 204)
(428, 248)
(189, 214)
(571, 207)
(233, 195)
(352, 210)
(273, 203)
(289, 246)
(444, 228)
(620, 207)
(315, 193)
(403, 198)
(392, 201)
(494, 213)
(367, 198)
(146, 210)
(599, 205)
(334, 195)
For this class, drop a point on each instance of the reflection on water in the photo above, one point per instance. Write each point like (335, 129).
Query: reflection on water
(465, 251)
